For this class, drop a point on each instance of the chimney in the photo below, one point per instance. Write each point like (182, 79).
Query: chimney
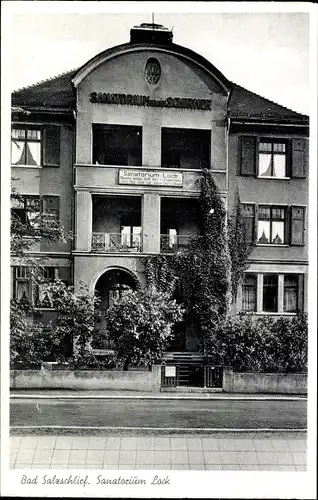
(150, 32)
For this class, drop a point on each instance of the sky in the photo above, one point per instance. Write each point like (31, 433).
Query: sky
(267, 53)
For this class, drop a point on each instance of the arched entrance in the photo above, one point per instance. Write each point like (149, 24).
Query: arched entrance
(111, 285)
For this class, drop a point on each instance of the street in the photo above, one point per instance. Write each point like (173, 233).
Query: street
(165, 414)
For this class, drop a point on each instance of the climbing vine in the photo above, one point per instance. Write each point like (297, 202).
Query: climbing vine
(200, 273)
(239, 247)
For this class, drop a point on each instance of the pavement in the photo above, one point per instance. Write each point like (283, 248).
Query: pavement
(138, 449)
(165, 452)
(112, 394)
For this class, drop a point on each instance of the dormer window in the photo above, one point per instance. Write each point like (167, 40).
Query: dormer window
(152, 71)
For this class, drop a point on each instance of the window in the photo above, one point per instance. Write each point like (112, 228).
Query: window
(34, 288)
(117, 145)
(249, 292)
(281, 293)
(274, 158)
(152, 71)
(185, 148)
(50, 206)
(271, 225)
(35, 146)
(26, 147)
(26, 209)
(270, 292)
(291, 289)
(22, 289)
(248, 213)
(44, 298)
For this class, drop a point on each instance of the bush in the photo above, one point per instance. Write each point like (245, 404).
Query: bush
(33, 343)
(87, 360)
(263, 345)
(140, 326)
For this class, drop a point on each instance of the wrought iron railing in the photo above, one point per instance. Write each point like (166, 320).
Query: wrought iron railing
(172, 244)
(115, 242)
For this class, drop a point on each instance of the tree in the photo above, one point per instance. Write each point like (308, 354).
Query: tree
(140, 325)
(74, 317)
(31, 226)
(30, 342)
(239, 247)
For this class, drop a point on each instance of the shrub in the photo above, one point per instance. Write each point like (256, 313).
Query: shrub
(140, 326)
(265, 344)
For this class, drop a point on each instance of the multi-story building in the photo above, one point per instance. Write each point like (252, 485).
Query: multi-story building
(115, 149)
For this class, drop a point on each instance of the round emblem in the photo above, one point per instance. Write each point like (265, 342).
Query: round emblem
(152, 71)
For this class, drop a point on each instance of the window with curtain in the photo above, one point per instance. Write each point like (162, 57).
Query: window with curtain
(44, 298)
(272, 159)
(249, 292)
(22, 289)
(271, 225)
(26, 147)
(291, 290)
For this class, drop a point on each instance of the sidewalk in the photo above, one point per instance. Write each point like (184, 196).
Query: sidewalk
(68, 394)
(182, 452)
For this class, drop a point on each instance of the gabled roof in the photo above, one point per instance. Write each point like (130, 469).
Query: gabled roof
(246, 104)
(58, 92)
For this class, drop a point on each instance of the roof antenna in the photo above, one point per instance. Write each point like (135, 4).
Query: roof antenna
(153, 20)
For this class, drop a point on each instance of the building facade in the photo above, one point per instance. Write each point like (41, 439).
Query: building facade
(114, 149)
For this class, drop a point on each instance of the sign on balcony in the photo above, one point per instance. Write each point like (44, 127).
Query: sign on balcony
(156, 178)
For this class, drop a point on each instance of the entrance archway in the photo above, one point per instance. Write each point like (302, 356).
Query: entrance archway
(111, 285)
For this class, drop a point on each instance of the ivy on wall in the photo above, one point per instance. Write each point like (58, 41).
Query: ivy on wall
(201, 274)
(239, 247)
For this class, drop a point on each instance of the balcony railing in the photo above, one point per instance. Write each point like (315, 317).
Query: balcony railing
(115, 242)
(175, 243)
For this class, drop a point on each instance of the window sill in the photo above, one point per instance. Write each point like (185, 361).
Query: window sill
(26, 166)
(271, 245)
(270, 177)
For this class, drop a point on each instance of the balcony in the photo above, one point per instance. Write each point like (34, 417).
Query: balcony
(175, 243)
(116, 242)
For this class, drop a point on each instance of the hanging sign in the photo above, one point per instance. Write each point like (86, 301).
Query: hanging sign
(147, 178)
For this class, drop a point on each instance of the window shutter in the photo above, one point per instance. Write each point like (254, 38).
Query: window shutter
(248, 213)
(51, 152)
(248, 155)
(299, 157)
(297, 226)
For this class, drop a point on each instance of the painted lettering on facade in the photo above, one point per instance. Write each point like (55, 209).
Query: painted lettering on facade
(144, 178)
(143, 100)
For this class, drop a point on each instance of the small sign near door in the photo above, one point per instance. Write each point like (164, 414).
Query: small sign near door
(170, 371)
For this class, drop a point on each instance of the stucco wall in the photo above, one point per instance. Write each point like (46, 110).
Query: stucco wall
(125, 74)
(271, 191)
(52, 181)
(91, 267)
(271, 383)
(86, 380)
